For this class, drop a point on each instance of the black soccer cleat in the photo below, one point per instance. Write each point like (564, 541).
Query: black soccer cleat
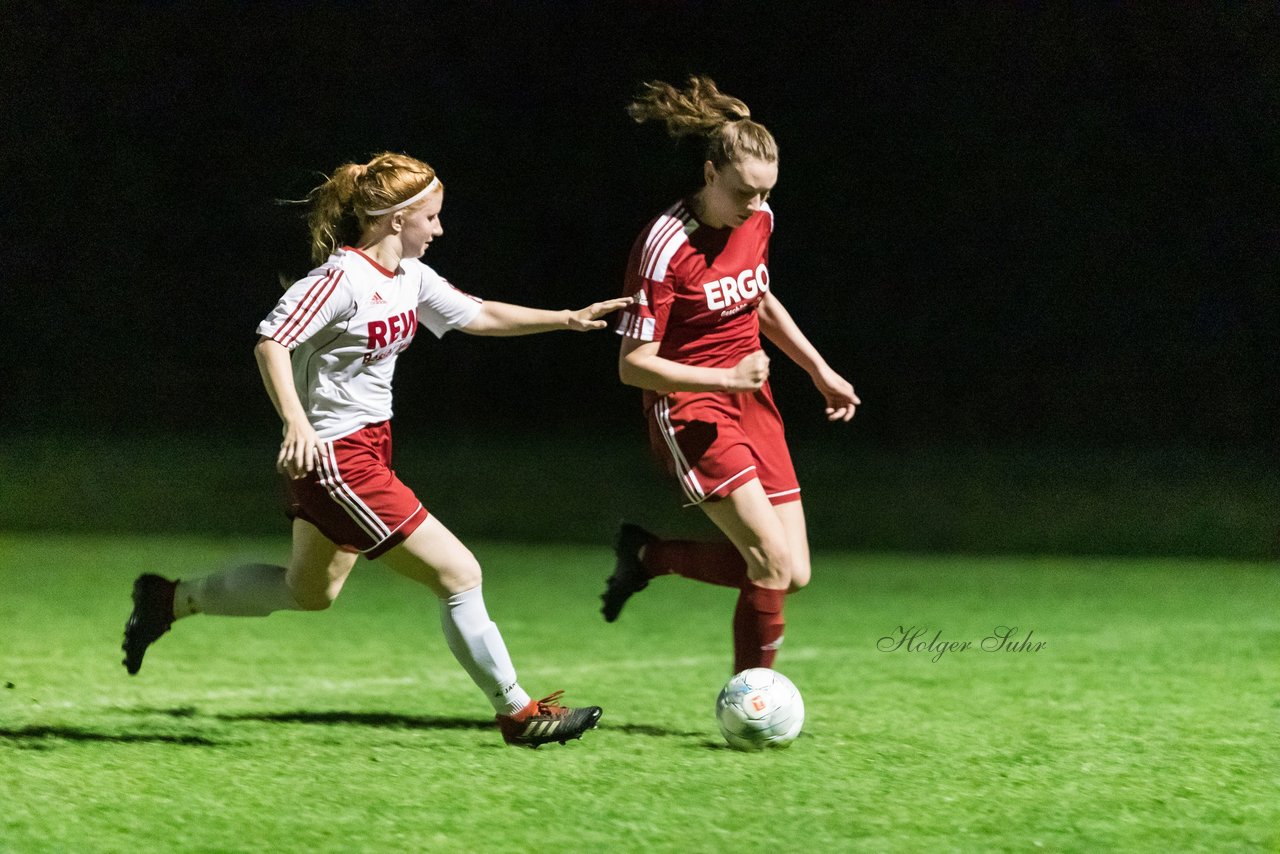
(545, 720)
(629, 576)
(151, 617)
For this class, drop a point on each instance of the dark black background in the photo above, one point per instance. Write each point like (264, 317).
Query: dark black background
(1004, 223)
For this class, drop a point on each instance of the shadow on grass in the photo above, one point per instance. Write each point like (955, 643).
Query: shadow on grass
(390, 720)
(651, 730)
(43, 737)
(383, 720)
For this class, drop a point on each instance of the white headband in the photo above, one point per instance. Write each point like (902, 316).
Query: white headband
(418, 196)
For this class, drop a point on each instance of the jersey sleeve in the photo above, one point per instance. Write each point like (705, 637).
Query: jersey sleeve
(309, 305)
(441, 306)
(651, 281)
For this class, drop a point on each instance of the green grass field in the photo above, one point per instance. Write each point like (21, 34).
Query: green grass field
(1147, 721)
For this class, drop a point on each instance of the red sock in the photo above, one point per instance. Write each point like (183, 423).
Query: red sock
(714, 563)
(757, 627)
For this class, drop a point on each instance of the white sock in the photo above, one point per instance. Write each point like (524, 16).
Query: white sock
(476, 642)
(253, 590)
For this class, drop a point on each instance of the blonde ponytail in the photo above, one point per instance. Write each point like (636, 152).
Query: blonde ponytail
(701, 109)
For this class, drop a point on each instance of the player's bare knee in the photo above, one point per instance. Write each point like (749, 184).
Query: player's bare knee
(774, 567)
(800, 575)
(463, 575)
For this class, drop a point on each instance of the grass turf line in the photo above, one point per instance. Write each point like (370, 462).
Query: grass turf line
(1147, 721)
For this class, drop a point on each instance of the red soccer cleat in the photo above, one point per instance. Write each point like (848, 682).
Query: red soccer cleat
(545, 720)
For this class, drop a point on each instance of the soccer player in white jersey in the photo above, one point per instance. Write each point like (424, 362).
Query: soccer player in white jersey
(326, 353)
(700, 277)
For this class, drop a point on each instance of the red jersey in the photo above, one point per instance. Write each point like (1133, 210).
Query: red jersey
(697, 287)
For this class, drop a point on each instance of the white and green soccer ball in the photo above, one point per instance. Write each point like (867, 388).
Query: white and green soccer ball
(759, 708)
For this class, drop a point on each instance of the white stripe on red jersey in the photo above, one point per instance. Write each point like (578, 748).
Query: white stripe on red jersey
(668, 233)
(697, 288)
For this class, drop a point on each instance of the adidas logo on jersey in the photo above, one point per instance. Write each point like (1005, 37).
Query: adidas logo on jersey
(642, 298)
(377, 299)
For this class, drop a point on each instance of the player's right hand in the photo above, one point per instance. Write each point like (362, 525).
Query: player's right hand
(750, 373)
(299, 452)
(589, 318)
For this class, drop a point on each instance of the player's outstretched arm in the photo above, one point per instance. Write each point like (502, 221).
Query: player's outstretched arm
(778, 327)
(500, 318)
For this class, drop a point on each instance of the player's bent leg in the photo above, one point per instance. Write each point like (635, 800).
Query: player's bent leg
(640, 557)
(316, 572)
(317, 568)
(753, 525)
(792, 516)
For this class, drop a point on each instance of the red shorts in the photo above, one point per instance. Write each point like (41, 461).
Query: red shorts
(354, 497)
(713, 442)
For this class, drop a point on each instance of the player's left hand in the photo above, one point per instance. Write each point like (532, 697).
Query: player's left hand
(586, 319)
(841, 400)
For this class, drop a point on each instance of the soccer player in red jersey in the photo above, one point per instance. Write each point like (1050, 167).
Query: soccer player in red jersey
(699, 274)
(327, 353)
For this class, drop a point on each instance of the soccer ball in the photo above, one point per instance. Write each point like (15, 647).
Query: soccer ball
(759, 708)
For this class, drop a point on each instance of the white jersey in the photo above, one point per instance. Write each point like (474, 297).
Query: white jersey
(345, 323)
